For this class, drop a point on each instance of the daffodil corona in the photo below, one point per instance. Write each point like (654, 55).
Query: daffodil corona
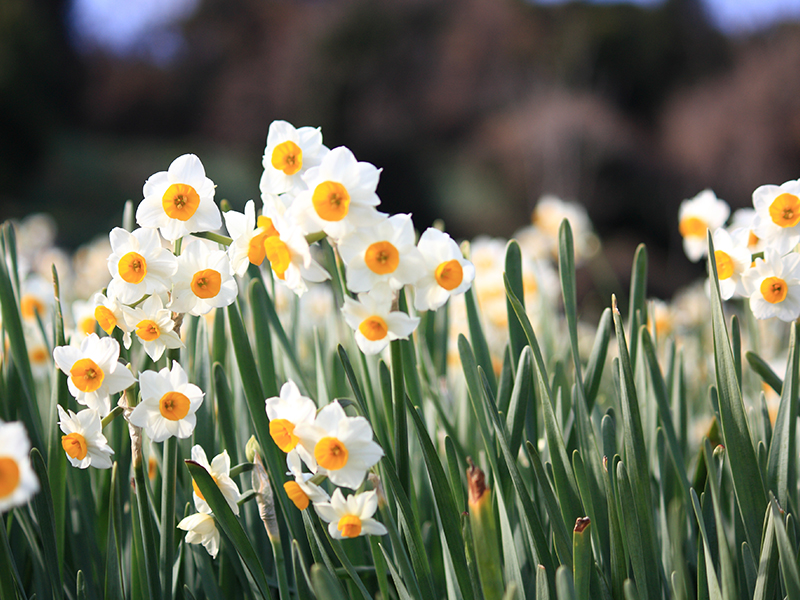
(18, 482)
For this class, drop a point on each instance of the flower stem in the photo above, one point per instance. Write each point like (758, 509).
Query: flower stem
(167, 552)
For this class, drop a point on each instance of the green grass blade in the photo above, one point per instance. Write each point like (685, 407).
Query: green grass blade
(325, 587)
(478, 338)
(229, 524)
(747, 482)
(597, 359)
(402, 592)
(787, 553)
(43, 506)
(113, 581)
(727, 575)
(301, 576)
(225, 411)
(566, 271)
(633, 534)
(767, 580)
(637, 309)
(782, 459)
(259, 301)
(763, 370)
(582, 563)
(520, 395)
(513, 270)
(565, 588)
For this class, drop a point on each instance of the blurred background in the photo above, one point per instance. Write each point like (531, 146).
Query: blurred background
(473, 108)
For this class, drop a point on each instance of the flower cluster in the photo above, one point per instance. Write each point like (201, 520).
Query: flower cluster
(755, 256)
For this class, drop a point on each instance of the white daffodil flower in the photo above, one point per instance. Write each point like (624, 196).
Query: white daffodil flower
(301, 491)
(83, 439)
(201, 528)
(139, 265)
(447, 273)
(285, 413)
(777, 219)
(247, 232)
(153, 326)
(733, 259)
(169, 403)
(340, 196)
(384, 253)
(342, 446)
(109, 314)
(696, 216)
(289, 154)
(351, 517)
(220, 470)
(179, 201)
(18, 482)
(773, 285)
(374, 322)
(93, 371)
(203, 280)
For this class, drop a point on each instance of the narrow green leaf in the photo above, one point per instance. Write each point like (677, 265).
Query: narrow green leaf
(400, 434)
(566, 271)
(565, 589)
(402, 592)
(113, 584)
(747, 482)
(225, 411)
(259, 304)
(229, 524)
(582, 563)
(632, 532)
(301, 577)
(513, 271)
(767, 580)
(80, 586)
(726, 576)
(149, 547)
(169, 478)
(520, 394)
(478, 339)
(597, 359)
(542, 588)
(787, 553)
(325, 587)
(637, 309)
(43, 506)
(763, 370)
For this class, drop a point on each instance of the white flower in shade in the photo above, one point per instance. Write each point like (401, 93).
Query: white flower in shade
(153, 326)
(290, 256)
(287, 411)
(179, 201)
(83, 317)
(742, 228)
(248, 233)
(340, 196)
(289, 154)
(220, 470)
(18, 482)
(732, 259)
(169, 403)
(201, 528)
(83, 439)
(385, 252)
(351, 517)
(703, 212)
(374, 321)
(342, 446)
(36, 297)
(108, 313)
(778, 215)
(203, 280)
(447, 273)
(543, 234)
(93, 373)
(302, 490)
(139, 265)
(773, 286)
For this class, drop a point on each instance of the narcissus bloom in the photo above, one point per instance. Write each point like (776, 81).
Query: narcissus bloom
(168, 405)
(220, 471)
(109, 314)
(18, 482)
(201, 528)
(351, 517)
(203, 280)
(302, 490)
(703, 212)
(179, 201)
(778, 215)
(374, 321)
(342, 446)
(289, 154)
(248, 233)
(287, 411)
(447, 273)
(93, 371)
(773, 285)
(153, 326)
(340, 196)
(383, 253)
(139, 265)
(83, 439)
(733, 258)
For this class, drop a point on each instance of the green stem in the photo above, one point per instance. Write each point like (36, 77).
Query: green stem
(280, 568)
(214, 237)
(110, 416)
(400, 428)
(167, 553)
(148, 533)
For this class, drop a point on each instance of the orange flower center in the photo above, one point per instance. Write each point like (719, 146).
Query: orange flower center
(174, 406)
(449, 274)
(148, 330)
(38, 356)
(9, 476)
(287, 157)
(206, 283)
(752, 240)
(255, 250)
(692, 227)
(724, 264)
(331, 201)
(87, 325)
(132, 267)
(29, 305)
(180, 201)
(330, 453)
(774, 289)
(278, 254)
(350, 526)
(74, 445)
(785, 210)
(86, 375)
(105, 317)
(373, 328)
(296, 494)
(282, 432)
(382, 258)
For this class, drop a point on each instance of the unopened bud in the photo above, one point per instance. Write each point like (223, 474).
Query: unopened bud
(252, 448)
